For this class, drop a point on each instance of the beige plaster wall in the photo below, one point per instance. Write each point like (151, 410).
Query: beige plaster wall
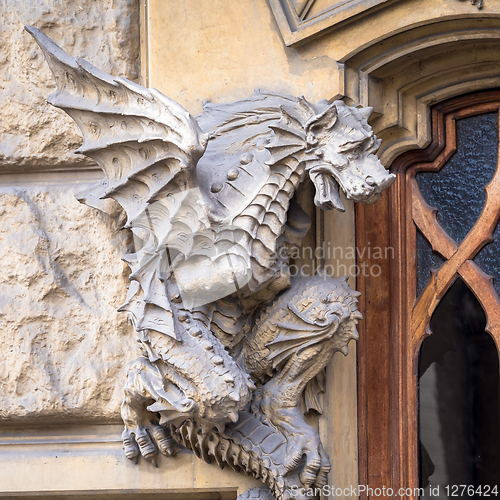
(221, 50)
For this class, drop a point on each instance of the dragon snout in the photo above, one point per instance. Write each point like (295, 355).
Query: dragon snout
(369, 188)
(360, 191)
(372, 187)
(380, 182)
(387, 182)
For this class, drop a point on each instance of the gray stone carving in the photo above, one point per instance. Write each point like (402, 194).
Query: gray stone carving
(232, 345)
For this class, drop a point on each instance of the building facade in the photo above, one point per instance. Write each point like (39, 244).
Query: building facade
(421, 65)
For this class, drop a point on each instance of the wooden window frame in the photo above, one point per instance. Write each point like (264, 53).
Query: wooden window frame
(389, 345)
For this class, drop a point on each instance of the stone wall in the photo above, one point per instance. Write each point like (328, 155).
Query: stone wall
(62, 341)
(33, 134)
(64, 346)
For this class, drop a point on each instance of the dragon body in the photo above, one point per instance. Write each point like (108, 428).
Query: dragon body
(232, 345)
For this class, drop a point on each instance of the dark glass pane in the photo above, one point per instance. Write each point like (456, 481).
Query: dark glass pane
(459, 398)
(427, 261)
(457, 190)
(488, 259)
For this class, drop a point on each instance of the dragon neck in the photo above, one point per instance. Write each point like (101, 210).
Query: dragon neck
(265, 217)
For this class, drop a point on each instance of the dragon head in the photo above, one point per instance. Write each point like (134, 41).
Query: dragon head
(338, 148)
(342, 152)
(332, 309)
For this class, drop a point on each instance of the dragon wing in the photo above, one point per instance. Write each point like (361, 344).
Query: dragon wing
(141, 139)
(147, 146)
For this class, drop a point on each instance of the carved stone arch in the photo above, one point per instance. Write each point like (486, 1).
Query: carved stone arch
(405, 74)
(301, 20)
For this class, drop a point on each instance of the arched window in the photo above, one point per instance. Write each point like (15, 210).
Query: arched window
(428, 354)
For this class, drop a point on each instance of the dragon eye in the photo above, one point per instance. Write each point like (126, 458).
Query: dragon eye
(355, 152)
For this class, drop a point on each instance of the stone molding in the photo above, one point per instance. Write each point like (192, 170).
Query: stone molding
(72, 461)
(296, 28)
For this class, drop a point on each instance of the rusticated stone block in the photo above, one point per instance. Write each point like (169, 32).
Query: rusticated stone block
(64, 347)
(33, 134)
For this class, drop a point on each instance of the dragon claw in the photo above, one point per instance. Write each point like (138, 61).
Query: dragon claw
(147, 440)
(311, 469)
(166, 444)
(130, 446)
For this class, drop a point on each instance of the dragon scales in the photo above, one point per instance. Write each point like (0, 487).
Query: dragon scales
(232, 345)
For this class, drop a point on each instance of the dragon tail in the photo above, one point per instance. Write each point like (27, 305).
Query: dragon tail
(251, 446)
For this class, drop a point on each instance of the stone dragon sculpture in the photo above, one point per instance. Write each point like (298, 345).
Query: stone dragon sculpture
(232, 345)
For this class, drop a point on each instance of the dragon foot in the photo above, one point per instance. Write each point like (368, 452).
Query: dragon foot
(314, 469)
(147, 440)
(143, 435)
(304, 453)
